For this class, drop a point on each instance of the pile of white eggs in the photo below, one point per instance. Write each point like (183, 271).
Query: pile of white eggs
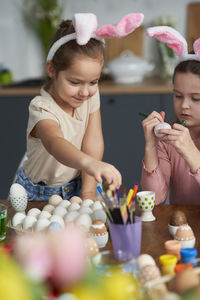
(58, 212)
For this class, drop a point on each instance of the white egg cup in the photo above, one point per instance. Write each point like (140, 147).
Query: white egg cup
(172, 229)
(146, 201)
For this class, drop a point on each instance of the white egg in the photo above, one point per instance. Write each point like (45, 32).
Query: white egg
(41, 224)
(57, 219)
(99, 214)
(44, 215)
(60, 211)
(75, 199)
(161, 125)
(64, 203)
(73, 206)
(18, 218)
(87, 202)
(97, 205)
(84, 220)
(85, 210)
(28, 222)
(55, 200)
(35, 212)
(18, 197)
(71, 216)
(49, 208)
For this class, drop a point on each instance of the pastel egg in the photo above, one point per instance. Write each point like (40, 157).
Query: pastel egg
(97, 205)
(59, 211)
(87, 202)
(99, 214)
(35, 212)
(161, 125)
(64, 203)
(73, 206)
(55, 227)
(76, 199)
(28, 222)
(85, 210)
(44, 215)
(55, 200)
(71, 216)
(84, 220)
(18, 218)
(57, 219)
(49, 208)
(41, 224)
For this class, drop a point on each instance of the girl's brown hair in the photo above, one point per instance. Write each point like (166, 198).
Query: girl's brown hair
(65, 55)
(187, 66)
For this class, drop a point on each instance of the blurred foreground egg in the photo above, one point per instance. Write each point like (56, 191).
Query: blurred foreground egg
(92, 247)
(144, 260)
(161, 125)
(55, 200)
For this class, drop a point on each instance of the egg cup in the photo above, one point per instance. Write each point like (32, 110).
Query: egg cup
(172, 229)
(146, 201)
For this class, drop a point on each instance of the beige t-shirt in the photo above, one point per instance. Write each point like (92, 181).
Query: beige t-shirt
(42, 166)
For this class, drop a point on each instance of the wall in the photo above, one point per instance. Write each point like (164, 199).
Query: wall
(22, 53)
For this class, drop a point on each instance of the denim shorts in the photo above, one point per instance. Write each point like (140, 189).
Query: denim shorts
(40, 191)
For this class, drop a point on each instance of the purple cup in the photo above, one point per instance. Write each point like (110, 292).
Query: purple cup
(126, 239)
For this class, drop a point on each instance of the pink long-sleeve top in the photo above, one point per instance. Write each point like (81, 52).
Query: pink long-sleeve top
(173, 173)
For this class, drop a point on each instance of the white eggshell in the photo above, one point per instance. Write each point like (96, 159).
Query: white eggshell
(64, 203)
(73, 206)
(71, 216)
(99, 214)
(59, 211)
(44, 215)
(41, 224)
(29, 221)
(87, 202)
(97, 205)
(85, 210)
(18, 218)
(161, 125)
(75, 199)
(57, 219)
(49, 208)
(35, 212)
(84, 220)
(18, 197)
(55, 200)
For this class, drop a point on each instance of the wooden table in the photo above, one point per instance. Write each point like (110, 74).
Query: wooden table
(154, 234)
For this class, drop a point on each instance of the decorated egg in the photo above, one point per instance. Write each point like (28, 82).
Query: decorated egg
(99, 214)
(28, 222)
(44, 214)
(64, 203)
(185, 235)
(161, 125)
(54, 227)
(59, 211)
(71, 216)
(35, 212)
(144, 260)
(87, 202)
(84, 220)
(76, 199)
(41, 224)
(18, 219)
(49, 208)
(57, 219)
(99, 233)
(73, 206)
(18, 197)
(55, 200)
(149, 272)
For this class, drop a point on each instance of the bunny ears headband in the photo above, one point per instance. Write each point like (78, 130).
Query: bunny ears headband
(175, 41)
(85, 25)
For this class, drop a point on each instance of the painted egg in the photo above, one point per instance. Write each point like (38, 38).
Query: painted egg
(44, 215)
(184, 233)
(54, 227)
(28, 222)
(99, 214)
(59, 211)
(178, 218)
(64, 203)
(144, 260)
(87, 202)
(161, 125)
(57, 219)
(18, 197)
(149, 272)
(49, 208)
(84, 220)
(85, 210)
(35, 212)
(73, 206)
(41, 224)
(18, 219)
(97, 205)
(99, 233)
(55, 200)
(76, 199)
(71, 216)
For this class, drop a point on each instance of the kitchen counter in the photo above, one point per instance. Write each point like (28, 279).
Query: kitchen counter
(150, 85)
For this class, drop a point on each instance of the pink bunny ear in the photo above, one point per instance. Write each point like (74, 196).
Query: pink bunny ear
(196, 47)
(171, 37)
(125, 26)
(85, 25)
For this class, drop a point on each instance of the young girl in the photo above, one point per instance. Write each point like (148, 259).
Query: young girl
(64, 134)
(174, 160)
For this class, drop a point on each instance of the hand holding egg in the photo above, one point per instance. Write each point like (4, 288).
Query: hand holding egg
(161, 125)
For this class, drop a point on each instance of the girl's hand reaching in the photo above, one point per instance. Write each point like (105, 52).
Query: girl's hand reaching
(100, 170)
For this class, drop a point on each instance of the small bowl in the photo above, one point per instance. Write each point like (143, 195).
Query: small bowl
(172, 229)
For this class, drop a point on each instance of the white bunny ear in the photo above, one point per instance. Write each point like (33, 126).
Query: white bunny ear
(196, 47)
(171, 37)
(85, 25)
